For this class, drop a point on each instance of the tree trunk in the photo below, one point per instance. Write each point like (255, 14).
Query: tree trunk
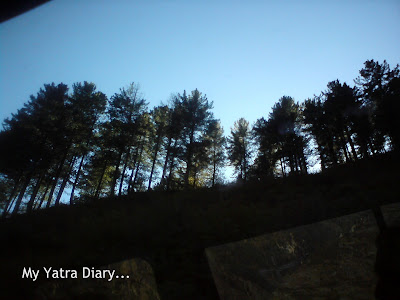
(291, 163)
(65, 180)
(133, 169)
(171, 168)
(154, 161)
(35, 191)
(21, 194)
(43, 196)
(171, 164)
(12, 195)
(189, 158)
(344, 150)
(297, 163)
(364, 151)
(372, 146)
(128, 154)
(11, 205)
(283, 170)
(138, 164)
(244, 160)
(130, 181)
(321, 157)
(350, 140)
(115, 177)
(214, 168)
(194, 176)
(332, 151)
(71, 199)
(97, 194)
(304, 161)
(60, 167)
(166, 159)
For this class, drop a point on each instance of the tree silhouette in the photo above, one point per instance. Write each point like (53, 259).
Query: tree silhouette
(125, 114)
(378, 85)
(340, 107)
(315, 124)
(42, 127)
(196, 116)
(239, 150)
(160, 118)
(216, 144)
(280, 139)
(87, 107)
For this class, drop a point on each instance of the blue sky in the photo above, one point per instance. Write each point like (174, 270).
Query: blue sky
(244, 55)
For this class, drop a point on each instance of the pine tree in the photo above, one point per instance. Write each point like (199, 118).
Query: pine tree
(239, 149)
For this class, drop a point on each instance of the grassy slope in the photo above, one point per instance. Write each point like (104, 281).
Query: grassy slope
(171, 230)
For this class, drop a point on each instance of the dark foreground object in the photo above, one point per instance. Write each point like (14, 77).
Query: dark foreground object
(388, 264)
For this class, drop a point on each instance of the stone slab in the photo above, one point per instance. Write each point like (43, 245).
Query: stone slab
(391, 214)
(332, 259)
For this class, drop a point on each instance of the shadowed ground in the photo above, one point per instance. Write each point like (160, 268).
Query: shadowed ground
(171, 230)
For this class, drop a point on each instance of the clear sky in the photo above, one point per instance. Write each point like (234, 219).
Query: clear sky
(244, 55)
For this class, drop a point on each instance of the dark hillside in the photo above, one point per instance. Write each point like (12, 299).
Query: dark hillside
(171, 230)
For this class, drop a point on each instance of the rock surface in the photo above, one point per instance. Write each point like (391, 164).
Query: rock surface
(332, 259)
(391, 214)
(140, 285)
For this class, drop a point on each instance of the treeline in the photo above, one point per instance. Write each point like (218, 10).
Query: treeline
(341, 124)
(97, 147)
(93, 146)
